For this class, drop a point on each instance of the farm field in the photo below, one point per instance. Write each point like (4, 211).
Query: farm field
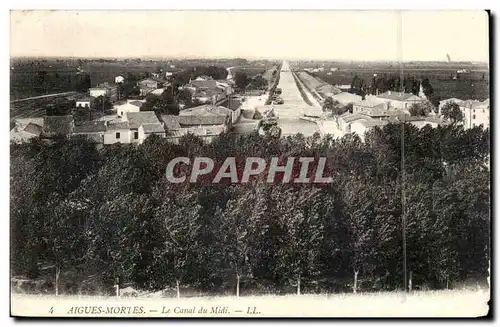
(472, 85)
(448, 303)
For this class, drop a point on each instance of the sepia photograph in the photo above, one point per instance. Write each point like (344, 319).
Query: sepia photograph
(250, 163)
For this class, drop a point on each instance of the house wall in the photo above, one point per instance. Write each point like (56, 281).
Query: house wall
(397, 104)
(125, 136)
(143, 136)
(123, 109)
(358, 128)
(97, 92)
(476, 117)
(82, 104)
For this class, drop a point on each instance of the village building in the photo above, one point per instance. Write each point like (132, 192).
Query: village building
(85, 102)
(345, 98)
(211, 110)
(105, 89)
(399, 100)
(129, 106)
(119, 79)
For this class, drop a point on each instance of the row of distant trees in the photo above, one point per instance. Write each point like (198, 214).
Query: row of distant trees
(81, 218)
(387, 82)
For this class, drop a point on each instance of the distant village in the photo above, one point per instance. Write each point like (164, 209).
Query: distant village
(129, 124)
(214, 114)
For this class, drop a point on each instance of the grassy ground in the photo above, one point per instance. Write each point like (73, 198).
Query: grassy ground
(390, 304)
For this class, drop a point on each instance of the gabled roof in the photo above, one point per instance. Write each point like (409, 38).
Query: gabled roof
(58, 125)
(136, 103)
(33, 129)
(201, 120)
(373, 122)
(117, 124)
(206, 109)
(452, 100)
(348, 117)
(149, 80)
(398, 96)
(210, 84)
(85, 99)
(345, 96)
(171, 122)
(371, 102)
(91, 127)
(136, 119)
(23, 122)
(153, 128)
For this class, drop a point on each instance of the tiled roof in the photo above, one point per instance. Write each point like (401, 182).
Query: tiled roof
(91, 127)
(348, 117)
(206, 109)
(85, 99)
(171, 122)
(344, 96)
(136, 103)
(201, 120)
(210, 84)
(33, 129)
(58, 125)
(400, 96)
(117, 124)
(96, 138)
(373, 122)
(153, 128)
(136, 119)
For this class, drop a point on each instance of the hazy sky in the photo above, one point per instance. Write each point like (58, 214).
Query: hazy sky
(342, 35)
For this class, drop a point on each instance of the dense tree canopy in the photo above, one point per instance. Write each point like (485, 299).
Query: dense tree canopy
(100, 215)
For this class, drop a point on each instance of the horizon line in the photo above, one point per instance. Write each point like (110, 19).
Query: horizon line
(251, 58)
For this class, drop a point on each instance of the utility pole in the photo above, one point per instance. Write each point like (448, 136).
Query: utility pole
(403, 200)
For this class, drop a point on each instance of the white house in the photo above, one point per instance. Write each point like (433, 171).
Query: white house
(127, 129)
(362, 126)
(208, 109)
(129, 106)
(117, 132)
(475, 112)
(146, 130)
(119, 79)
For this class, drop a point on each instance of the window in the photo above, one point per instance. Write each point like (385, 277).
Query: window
(473, 125)
(136, 135)
(473, 116)
(117, 135)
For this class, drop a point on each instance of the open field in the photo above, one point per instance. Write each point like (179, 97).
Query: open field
(451, 303)
(472, 85)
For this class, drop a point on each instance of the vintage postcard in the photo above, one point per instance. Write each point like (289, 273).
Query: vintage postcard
(250, 164)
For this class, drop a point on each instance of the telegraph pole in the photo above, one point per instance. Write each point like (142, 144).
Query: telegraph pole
(403, 204)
